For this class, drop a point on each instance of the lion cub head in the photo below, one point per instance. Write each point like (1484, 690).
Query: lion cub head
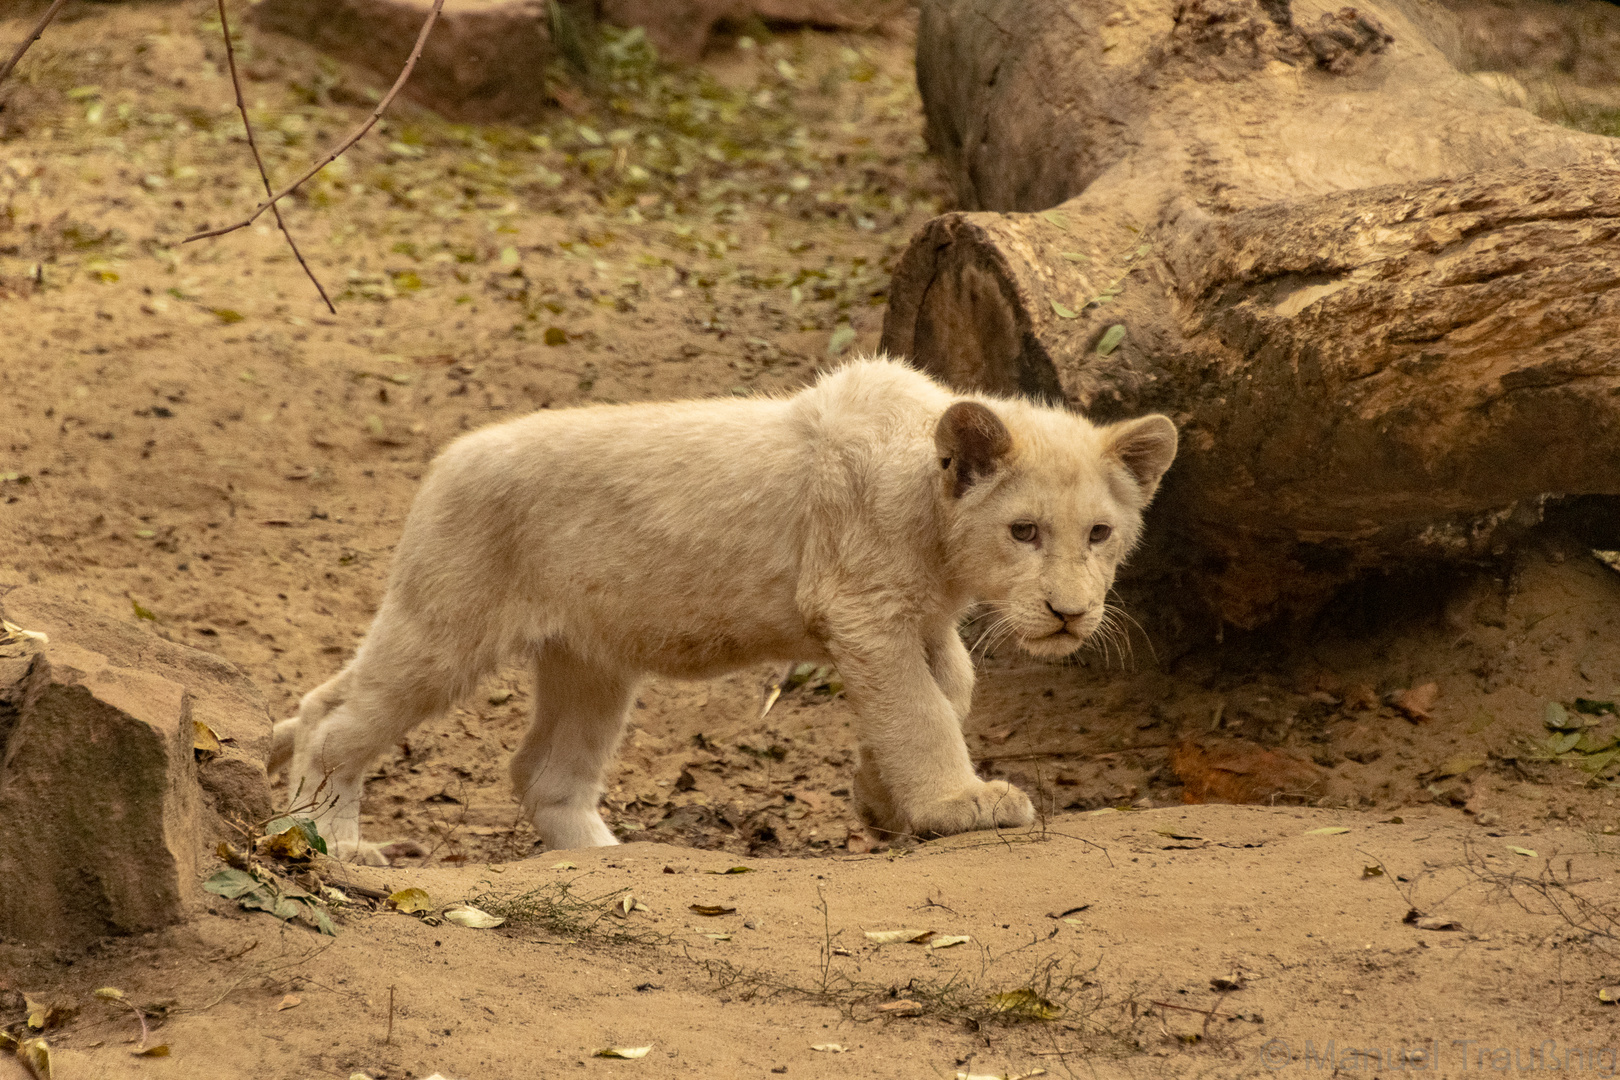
(1042, 507)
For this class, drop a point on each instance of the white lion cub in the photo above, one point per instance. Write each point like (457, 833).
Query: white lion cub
(853, 524)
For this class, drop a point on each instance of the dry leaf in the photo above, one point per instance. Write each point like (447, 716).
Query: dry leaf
(42, 1017)
(10, 631)
(1528, 853)
(564, 865)
(36, 1054)
(290, 1001)
(1458, 765)
(895, 937)
(111, 993)
(1609, 995)
(469, 916)
(1417, 702)
(291, 844)
(1026, 1002)
(829, 1048)
(712, 909)
(1416, 918)
(628, 1052)
(160, 1050)
(718, 937)
(1233, 981)
(411, 901)
(771, 697)
(203, 738)
(1327, 830)
(903, 1007)
(1239, 771)
(949, 940)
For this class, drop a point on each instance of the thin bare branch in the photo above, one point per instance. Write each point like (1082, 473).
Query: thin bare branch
(354, 136)
(39, 28)
(253, 145)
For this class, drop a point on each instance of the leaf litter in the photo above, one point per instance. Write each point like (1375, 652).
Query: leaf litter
(257, 889)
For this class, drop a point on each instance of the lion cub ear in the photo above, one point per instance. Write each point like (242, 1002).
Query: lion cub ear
(1145, 446)
(971, 441)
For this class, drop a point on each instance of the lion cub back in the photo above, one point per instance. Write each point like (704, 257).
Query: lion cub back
(671, 534)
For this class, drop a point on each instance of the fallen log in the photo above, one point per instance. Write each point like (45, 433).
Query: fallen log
(1380, 302)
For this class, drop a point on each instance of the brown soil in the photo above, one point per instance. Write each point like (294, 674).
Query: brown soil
(189, 435)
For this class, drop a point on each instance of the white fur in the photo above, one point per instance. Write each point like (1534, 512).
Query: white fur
(691, 538)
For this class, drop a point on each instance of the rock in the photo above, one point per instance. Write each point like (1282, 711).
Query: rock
(98, 790)
(486, 59)
(233, 781)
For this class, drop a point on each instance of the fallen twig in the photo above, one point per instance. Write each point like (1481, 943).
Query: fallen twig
(39, 28)
(354, 136)
(1060, 751)
(360, 890)
(247, 125)
(1208, 1014)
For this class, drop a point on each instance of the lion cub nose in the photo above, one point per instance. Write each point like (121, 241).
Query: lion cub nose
(1065, 616)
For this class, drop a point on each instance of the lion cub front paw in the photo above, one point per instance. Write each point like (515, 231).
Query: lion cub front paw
(995, 804)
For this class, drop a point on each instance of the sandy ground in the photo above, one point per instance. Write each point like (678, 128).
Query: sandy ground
(188, 439)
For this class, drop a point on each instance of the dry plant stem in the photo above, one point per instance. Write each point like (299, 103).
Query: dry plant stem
(390, 1036)
(253, 145)
(146, 1032)
(39, 28)
(354, 136)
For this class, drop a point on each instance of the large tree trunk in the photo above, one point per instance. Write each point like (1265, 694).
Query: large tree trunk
(1381, 304)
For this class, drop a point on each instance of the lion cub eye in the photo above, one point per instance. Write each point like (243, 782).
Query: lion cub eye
(1024, 531)
(1101, 532)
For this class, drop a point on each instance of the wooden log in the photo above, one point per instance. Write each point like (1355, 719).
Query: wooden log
(1380, 302)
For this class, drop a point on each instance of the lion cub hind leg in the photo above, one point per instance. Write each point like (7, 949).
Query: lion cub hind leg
(402, 675)
(579, 711)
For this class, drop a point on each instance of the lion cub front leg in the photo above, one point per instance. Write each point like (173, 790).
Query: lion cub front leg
(579, 710)
(952, 667)
(915, 776)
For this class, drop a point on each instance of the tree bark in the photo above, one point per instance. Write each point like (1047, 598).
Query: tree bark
(1380, 303)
